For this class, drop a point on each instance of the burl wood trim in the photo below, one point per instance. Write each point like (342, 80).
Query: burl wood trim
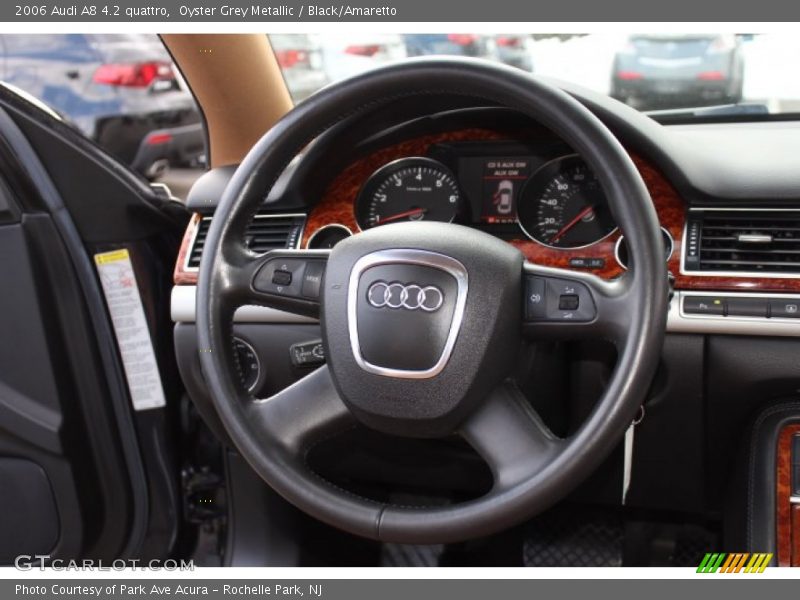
(786, 514)
(795, 535)
(181, 276)
(671, 210)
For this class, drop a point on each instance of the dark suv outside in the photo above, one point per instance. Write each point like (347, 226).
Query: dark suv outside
(657, 71)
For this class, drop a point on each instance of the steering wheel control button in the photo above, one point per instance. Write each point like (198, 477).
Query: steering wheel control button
(569, 302)
(312, 278)
(551, 299)
(788, 308)
(282, 278)
(704, 305)
(535, 298)
(291, 277)
(748, 307)
(307, 354)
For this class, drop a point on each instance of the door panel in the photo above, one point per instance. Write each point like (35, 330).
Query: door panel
(101, 479)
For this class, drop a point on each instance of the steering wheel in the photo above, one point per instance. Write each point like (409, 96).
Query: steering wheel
(421, 322)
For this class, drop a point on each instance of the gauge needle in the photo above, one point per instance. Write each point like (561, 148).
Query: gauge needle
(572, 223)
(408, 213)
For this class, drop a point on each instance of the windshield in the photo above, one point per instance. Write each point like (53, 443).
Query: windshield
(651, 72)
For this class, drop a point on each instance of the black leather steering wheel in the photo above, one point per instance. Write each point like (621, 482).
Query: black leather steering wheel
(429, 364)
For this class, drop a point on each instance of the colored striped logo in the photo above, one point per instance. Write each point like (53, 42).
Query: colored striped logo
(737, 562)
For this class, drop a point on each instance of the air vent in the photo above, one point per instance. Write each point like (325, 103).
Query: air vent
(745, 242)
(265, 232)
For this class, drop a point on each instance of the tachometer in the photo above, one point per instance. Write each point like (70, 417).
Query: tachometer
(409, 189)
(563, 205)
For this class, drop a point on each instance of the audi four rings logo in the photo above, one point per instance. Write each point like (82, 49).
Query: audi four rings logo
(409, 296)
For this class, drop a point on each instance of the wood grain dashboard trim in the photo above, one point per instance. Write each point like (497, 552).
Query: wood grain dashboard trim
(337, 203)
(180, 275)
(787, 515)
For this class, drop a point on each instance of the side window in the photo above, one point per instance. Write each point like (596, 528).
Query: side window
(120, 90)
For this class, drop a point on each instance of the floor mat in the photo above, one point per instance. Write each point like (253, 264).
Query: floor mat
(560, 539)
(578, 537)
(692, 543)
(406, 555)
(574, 537)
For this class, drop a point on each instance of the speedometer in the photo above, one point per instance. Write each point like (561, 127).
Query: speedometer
(563, 205)
(409, 189)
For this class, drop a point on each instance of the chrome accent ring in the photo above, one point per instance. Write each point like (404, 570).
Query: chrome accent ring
(411, 257)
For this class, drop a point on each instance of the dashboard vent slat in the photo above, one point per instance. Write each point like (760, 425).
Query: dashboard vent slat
(264, 233)
(760, 242)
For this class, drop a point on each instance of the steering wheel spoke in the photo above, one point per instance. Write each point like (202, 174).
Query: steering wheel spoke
(287, 280)
(562, 304)
(510, 436)
(306, 412)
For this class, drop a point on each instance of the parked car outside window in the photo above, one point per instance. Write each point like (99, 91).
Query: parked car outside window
(120, 90)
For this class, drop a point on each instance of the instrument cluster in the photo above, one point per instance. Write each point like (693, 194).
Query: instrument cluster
(506, 189)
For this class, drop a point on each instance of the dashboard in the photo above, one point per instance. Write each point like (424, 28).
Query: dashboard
(493, 170)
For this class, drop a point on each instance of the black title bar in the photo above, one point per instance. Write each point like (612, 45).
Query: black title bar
(401, 11)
